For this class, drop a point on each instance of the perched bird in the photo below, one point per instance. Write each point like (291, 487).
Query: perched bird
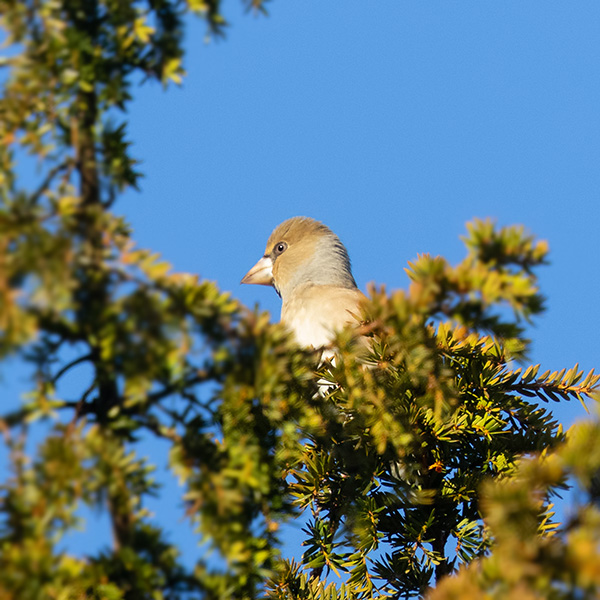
(309, 267)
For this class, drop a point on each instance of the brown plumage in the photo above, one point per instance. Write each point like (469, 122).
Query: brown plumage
(309, 267)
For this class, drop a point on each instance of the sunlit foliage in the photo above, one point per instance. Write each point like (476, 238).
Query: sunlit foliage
(433, 453)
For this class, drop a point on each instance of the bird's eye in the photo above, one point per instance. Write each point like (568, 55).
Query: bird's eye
(280, 248)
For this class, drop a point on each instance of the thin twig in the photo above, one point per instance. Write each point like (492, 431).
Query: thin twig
(48, 180)
(70, 365)
(80, 403)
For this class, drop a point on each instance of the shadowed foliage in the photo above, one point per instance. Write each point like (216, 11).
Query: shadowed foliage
(426, 467)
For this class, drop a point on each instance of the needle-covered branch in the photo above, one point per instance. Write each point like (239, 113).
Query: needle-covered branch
(406, 451)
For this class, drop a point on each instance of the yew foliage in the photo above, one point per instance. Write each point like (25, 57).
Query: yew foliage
(435, 454)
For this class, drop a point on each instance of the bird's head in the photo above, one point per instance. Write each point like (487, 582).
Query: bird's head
(300, 252)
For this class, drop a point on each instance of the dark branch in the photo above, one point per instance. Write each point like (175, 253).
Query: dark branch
(70, 365)
(48, 180)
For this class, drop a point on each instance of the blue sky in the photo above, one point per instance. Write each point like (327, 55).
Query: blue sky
(395, 123)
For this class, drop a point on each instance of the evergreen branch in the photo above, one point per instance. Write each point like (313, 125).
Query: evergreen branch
(69, 366)
(68, 164)
(553, 386)
(180, 386)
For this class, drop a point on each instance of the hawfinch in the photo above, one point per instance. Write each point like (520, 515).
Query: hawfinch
(309, 268)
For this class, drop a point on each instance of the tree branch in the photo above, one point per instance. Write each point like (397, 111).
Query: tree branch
(49, 178)
(70, 365)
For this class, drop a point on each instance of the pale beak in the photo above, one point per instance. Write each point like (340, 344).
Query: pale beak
(261, 273)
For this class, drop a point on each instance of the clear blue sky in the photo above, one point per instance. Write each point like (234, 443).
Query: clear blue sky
(395, 123)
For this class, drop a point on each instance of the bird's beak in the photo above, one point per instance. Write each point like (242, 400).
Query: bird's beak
(261, 273)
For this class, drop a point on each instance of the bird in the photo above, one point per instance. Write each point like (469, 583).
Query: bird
(310, 269)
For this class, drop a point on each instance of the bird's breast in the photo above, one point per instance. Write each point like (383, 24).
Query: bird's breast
(317, 312)
(307, 324)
